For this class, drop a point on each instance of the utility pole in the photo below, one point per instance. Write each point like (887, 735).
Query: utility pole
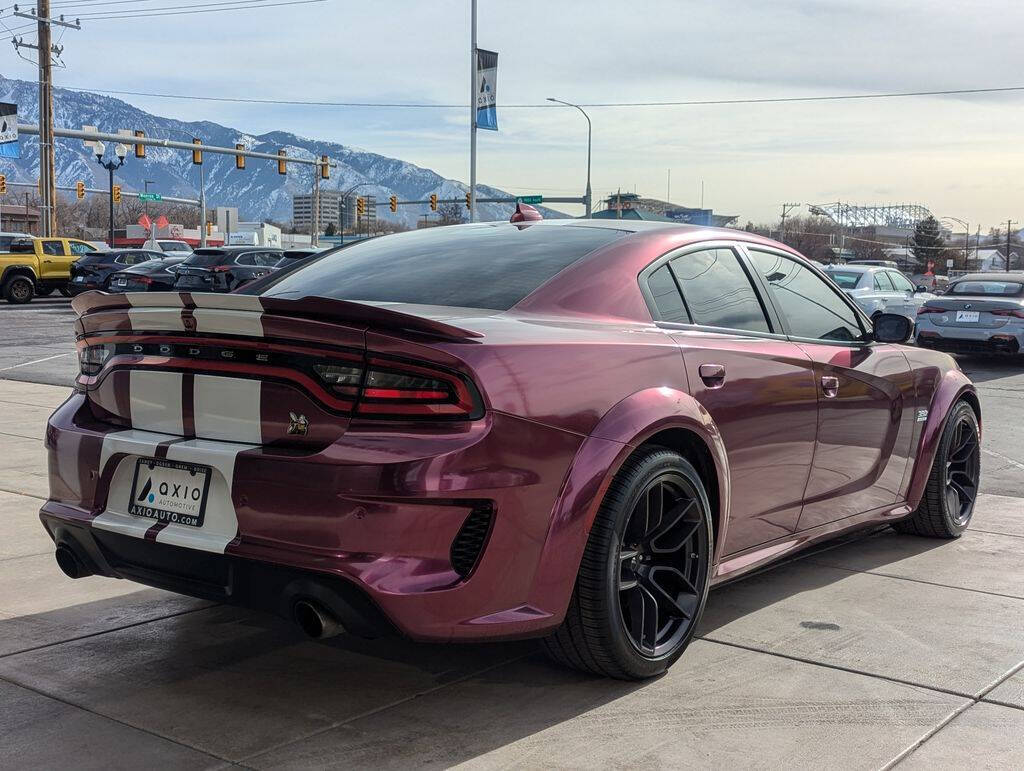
(45, 48)
(1009, 226)
(472, 114)
(202, 207)
(786, 209)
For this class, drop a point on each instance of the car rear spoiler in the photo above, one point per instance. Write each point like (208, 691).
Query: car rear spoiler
(318, 308)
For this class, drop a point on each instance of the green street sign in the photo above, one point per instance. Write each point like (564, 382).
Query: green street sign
(150, 197)
(530, 199)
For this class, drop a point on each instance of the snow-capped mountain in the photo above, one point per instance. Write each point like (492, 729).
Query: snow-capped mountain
(259, 191)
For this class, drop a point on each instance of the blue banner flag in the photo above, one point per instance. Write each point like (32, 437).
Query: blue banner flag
(486, 89)
(9, 147)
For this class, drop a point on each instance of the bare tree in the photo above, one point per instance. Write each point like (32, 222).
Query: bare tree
(450, 213)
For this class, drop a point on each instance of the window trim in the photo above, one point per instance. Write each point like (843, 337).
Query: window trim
(904, 278)
(865, 322)
(774, 322)
(876, 282)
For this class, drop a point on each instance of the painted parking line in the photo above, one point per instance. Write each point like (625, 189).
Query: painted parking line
(36, 361)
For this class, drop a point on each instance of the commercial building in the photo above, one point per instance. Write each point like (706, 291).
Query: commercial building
(334, 208)
(633, 206)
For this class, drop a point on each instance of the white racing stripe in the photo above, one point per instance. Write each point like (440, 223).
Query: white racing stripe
(238, 302)
(228, 408)
(220, 521)
(155, 401)
(156, 319)
(154, 299)
(228, 322)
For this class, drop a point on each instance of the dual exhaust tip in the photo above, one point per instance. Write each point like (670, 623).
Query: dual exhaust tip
(310, 616)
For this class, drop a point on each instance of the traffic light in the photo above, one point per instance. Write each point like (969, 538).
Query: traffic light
(394, 203)
(115, 193)
(197, 155)
(325, 168)
(79, 190)
(140, 149)
(282, 167)
(239, 159)
(3, 184)
(433, 202)
(360, 206)
(468, 204)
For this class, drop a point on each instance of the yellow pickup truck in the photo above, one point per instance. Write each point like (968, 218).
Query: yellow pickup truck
(38, 266)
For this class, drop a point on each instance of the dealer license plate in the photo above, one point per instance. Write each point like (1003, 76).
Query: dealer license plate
(967, 315)
(170, 491)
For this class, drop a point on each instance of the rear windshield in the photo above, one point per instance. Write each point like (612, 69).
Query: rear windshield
(482, 266)
(207, 258)
(998, 288)
(97, 258)
(847, 279)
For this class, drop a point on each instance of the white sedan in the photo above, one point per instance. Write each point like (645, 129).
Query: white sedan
(879, 289)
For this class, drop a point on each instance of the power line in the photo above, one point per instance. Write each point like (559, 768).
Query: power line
(426, 105)
(238, 5)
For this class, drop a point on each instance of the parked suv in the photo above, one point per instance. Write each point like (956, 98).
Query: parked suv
(225, 268)
(879, 289)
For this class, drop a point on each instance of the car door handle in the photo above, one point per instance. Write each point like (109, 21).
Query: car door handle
(830, 385)
(713, 375)
(47, 261)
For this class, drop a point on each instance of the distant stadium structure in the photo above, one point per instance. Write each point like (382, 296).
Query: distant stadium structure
(897, 216)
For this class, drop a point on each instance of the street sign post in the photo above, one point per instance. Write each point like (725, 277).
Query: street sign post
(531, 199)
(150, 197)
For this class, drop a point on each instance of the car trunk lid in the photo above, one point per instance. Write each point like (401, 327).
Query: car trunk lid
(970, 312)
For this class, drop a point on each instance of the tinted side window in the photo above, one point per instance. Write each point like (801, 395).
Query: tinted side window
(53, 247)
(813, 309)
(80, 248)
(900, 282)
(267, 259)
(718, 291)
(882, 282)
(666, 296)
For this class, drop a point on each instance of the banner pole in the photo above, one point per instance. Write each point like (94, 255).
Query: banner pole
(472, 115)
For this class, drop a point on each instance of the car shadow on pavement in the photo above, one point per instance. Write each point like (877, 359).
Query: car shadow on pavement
(981, 369)
(244, 686)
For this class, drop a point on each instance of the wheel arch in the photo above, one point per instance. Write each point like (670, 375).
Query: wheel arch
(10, 271)
(662, 417)
(953, 387)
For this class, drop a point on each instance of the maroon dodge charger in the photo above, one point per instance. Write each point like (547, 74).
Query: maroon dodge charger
(567, 430)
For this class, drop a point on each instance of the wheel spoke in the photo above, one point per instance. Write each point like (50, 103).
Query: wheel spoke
(675, 530)
(964, 491)
(627, 575)
(643, 618)
(673, 591)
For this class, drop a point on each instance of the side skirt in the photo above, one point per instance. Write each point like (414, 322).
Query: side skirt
(736, 565)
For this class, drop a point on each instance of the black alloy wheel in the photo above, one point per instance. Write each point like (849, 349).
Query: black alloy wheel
(963, 469)
(662, 561)
(949, 496)
(645, 573)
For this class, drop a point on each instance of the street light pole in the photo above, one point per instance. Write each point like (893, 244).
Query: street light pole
(589, 202)
(344, 207)
(967, 238)
(120, 152)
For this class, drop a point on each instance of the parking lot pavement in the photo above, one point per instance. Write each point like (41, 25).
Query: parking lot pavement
(883, 649)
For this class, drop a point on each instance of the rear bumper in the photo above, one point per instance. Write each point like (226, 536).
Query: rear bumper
(379, 522)
(966, 341)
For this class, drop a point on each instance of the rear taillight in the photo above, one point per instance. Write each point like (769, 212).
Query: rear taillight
(1018, 314)
(390, 389)
(221, 268)
(92, 358)
(925, 309)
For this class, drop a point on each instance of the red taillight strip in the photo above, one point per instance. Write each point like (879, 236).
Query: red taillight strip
(1019, 314)
(397, 393)
(923, 310)
(395, 401)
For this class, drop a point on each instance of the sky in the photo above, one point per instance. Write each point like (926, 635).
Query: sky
(959, 156)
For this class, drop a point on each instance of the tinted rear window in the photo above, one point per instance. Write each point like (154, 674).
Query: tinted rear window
(97, 258)
(847, 279)
(1003, 288)
(208, 258)
(482, 266)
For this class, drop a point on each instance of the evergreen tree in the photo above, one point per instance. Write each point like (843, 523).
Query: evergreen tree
(928, 243)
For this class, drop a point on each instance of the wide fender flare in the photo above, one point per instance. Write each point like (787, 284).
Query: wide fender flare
(953, 386)
(626, 426)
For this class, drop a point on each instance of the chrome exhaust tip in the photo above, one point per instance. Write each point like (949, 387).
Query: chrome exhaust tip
(315, 620)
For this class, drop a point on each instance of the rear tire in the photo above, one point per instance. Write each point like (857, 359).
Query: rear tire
(947, 505)
(644, 577)
(19, 290)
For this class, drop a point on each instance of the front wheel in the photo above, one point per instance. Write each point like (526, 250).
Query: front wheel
(947, 505)
(19, 290)
(644, 576)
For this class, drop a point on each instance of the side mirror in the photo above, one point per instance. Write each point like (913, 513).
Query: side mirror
(892, 328)
(920, 288)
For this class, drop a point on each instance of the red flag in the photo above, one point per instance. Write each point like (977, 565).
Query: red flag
(161, 221)
(145, 222)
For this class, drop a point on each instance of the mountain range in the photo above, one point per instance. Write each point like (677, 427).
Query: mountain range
(259, 191)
